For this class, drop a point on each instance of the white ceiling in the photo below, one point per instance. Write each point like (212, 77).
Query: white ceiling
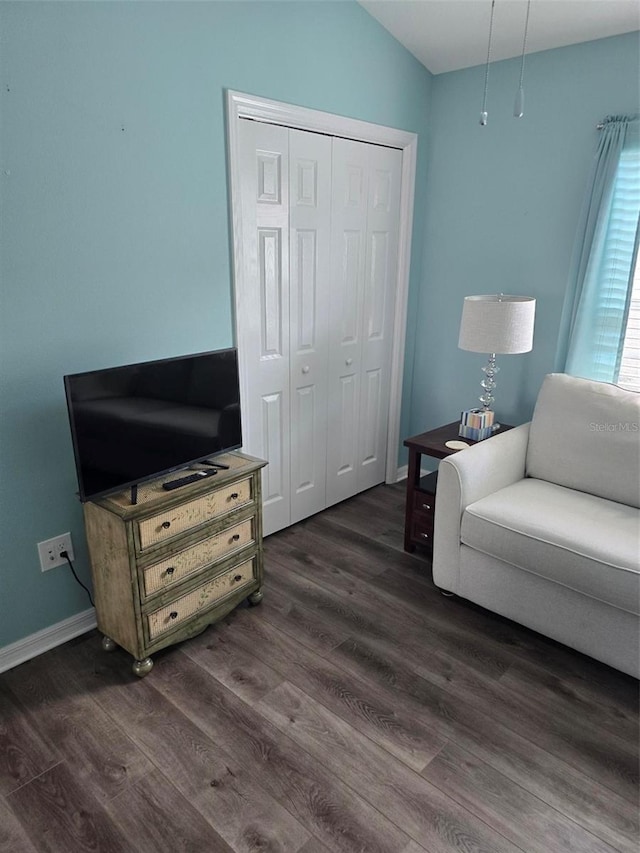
(446, 35)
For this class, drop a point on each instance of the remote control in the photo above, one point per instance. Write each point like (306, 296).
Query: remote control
(184, 481)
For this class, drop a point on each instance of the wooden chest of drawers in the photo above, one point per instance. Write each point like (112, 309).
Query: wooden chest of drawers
(176, 561)
(421, 517)
(421, 489)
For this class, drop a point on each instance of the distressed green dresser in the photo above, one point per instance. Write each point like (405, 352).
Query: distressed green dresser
(174, 562)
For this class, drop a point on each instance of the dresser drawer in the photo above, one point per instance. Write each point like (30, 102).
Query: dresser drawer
(422, 529)
(202, 598)
(192, 514)
(423, 502)
(174, 569)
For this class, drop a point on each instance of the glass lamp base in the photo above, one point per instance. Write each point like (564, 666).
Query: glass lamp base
(488, 385)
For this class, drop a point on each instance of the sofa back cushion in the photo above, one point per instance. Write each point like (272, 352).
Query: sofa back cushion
(585, 435)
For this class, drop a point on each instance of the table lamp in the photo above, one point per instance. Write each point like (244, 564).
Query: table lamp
(498, 325)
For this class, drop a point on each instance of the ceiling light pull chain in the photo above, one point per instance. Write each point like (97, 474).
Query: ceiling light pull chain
(518, 109)
(484, 114)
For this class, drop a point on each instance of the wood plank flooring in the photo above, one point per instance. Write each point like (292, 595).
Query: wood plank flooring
(355, 710)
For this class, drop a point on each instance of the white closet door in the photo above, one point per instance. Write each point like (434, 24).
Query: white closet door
(381, 260)
(364, 240)
(309, 243)
(348, 242)
(320, 221)
(263, 332)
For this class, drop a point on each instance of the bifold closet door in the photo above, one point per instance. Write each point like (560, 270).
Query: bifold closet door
(364, 248)
(309, 297)
(315, 313)
(282, 330)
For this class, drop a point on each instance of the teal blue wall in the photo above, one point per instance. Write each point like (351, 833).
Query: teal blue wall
(115, 239)
(502, 207)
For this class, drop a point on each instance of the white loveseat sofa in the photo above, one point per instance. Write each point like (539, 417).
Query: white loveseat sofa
(542, 523)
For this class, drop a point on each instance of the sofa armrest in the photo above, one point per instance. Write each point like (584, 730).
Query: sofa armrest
(464, 478)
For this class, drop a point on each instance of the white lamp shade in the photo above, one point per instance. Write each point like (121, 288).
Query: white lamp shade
(497, 324)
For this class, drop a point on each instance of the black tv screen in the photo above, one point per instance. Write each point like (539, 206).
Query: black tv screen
(137, 422)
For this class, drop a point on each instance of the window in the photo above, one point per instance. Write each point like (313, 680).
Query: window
(604, 342)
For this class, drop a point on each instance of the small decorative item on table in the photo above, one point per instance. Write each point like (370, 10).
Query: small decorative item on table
(476, 424)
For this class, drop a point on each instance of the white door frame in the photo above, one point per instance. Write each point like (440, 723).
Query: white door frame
(242, 106)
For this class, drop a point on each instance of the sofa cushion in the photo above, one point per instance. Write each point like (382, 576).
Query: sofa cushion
(586, 435)
(578, 540)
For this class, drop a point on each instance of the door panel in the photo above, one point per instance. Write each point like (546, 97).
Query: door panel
(269, 189)
(376, 286)
(304, 414)
(348, 241)
(370, 420)
(271, 295)
(306, 277)
(365, 224)
(310, 235)
(347, 439)
(263, 340)
(347, 293)
(275, 489)
(383, 211)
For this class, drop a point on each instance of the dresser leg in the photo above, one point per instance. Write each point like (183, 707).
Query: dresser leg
(108, 645)
(256, 597)
(142, 667)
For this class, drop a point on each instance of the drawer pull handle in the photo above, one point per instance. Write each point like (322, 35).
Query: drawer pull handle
(173, 614)
(238, 578)
(234, 496)
(426, 506)
(166, 524)
(171, 570)
(235, 537)
(424, 535)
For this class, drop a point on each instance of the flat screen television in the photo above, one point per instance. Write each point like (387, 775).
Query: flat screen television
(137, 422)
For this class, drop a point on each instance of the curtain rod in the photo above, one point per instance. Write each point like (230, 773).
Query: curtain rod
(602, 124)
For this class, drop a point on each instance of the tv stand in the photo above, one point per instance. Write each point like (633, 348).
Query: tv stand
(176, 561)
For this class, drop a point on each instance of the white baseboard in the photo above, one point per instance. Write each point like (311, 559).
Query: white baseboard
(48, 638)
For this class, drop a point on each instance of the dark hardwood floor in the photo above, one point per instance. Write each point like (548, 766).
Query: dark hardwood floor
(356, 709)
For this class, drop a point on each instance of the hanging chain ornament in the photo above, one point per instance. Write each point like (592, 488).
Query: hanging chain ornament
(484, 114)
(518, 108)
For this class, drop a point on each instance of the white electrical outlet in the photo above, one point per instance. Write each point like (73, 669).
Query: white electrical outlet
(51, 549)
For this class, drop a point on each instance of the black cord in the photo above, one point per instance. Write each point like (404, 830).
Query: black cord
(66, 556)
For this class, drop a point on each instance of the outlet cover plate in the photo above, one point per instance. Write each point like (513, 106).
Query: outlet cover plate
(50, 550)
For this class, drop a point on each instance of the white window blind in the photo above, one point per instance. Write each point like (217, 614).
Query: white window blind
(629, 375)
(626, 210)
(614, 261)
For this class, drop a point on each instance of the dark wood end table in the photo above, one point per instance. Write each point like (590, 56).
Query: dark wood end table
(421, 491)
